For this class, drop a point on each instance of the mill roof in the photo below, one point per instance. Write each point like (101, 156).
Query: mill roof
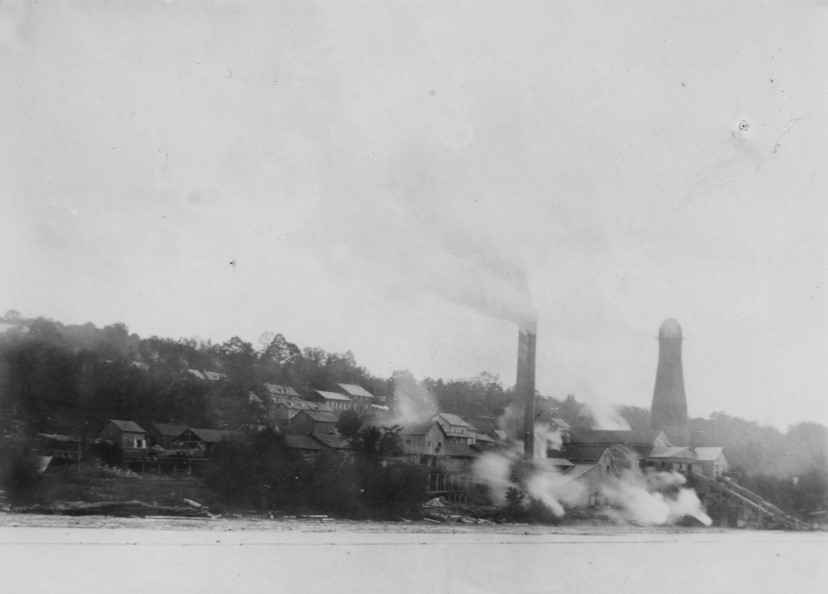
(280, 390)
(672, 452)
(332, 441)
(129, 426)
(417, 428)
(168, 430)
(578, 470)
(299, 404)
(333, 396)
(210, 435)
(451, 419)
(584, 453)
(303, 442)
(321, 416)
(354, 390)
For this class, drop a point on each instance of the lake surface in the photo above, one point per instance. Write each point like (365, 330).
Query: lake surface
(59, 554)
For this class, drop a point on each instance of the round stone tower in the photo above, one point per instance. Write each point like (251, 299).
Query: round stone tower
(669, 410)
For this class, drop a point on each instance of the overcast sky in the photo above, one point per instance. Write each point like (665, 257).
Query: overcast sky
(405, 180)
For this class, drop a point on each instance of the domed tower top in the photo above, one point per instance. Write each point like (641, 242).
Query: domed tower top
(669, 329)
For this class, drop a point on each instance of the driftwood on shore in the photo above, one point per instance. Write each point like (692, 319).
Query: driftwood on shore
(123, 509)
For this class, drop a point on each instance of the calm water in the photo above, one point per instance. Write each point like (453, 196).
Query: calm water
(47, 554)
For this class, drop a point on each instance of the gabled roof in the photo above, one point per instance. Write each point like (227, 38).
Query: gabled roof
(279, 390)
(333, 396)
(303, 442)
(417, 429)
(484, 424)
(354, 390)
(253, 397)
(578, 470)
(211, 435)
(708, 454)
(130, 426)
(451, 419)
(584, 453)
(332, 441)
(672, 452)
(214, 376)
(299, 404)
(553, 464)
(321, 416)
(169, 430)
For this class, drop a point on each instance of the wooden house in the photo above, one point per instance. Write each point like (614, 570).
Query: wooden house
(281, 410)
(313, 422)
(201, 441)
(712, 462)
(128, 434)
(306, 445)
(456, 430)
(164, 434)
(423, 439)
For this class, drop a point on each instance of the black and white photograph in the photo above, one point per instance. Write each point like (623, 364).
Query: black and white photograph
(360, 296)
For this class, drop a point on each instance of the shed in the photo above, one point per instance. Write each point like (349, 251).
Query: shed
(334, 442)
(128, 434)
(422, 439)
(314, 422)
(309, 447)
(165, 434)
(202, 440)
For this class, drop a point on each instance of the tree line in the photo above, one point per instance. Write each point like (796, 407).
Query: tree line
(71, 378)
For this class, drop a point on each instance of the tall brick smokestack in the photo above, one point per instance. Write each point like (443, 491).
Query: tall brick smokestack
(669, 410)
(525, 386)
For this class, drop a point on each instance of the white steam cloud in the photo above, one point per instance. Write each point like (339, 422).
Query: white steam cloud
(605, 417)
(652, 499)
(633, 496)
(500, 471)
(413, 403)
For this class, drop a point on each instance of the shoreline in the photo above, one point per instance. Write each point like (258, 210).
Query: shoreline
(336, 525)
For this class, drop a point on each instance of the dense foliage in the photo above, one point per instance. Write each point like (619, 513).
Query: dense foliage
(261, 472)
(69, 379)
